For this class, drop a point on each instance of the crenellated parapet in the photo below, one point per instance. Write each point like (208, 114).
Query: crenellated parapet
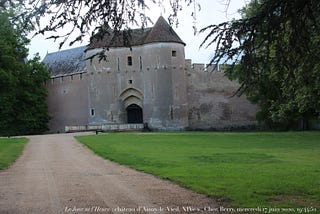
(201, 67)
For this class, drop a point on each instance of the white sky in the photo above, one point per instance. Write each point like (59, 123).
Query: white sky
(212, 12)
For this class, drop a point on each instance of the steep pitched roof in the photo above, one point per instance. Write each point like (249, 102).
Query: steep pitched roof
(66, 62)
(160, 32)
(120, 39)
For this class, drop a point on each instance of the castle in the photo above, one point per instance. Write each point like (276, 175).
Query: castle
(149, 83)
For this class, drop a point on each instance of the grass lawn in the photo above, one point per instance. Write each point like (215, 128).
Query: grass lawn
(10, 150)
(248, 169)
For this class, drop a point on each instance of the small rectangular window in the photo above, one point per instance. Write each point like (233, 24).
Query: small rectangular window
(174, 53)
(130, 60)
(92, 113)
(118, 64)
(114, 92)
(130, 81)
(140, 63)
(171, 112)
(80, 76)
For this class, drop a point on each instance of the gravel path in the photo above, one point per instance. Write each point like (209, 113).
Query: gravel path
(56, 174)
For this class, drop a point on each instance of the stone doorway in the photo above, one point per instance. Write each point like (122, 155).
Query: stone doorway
(134, 114)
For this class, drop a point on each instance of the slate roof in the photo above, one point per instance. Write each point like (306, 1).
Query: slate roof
(66, 62)
(160, 32)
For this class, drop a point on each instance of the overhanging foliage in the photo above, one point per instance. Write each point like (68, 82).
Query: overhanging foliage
(273, 52)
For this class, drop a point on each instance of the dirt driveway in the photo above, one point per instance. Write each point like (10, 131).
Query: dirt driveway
(56, 174)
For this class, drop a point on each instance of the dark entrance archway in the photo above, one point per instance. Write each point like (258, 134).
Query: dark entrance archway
(134, 114)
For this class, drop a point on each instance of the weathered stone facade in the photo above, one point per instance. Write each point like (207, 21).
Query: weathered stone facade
(151, 82)
(211, 100)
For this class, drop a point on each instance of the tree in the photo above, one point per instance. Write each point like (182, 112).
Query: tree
(273, 52)
(22, 93)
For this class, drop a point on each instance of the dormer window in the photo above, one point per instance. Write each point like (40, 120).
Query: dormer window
(129, 60)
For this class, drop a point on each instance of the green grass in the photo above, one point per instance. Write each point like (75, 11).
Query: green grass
(247, 169)
(10, 150)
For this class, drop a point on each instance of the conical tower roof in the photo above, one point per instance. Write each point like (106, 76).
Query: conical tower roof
(162, 32)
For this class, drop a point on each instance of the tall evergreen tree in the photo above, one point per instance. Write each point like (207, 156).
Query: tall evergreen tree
(23, 108)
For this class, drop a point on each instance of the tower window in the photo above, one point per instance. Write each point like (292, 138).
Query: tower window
(92, 113)
(130, 81)
(130, 60)
(174, 53)
(140, 59)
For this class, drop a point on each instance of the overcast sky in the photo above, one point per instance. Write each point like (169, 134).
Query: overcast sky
(212, 12)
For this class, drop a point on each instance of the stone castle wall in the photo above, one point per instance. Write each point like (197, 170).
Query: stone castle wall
(67, 101)
(211, 104)
(173, 93)
(150, 83)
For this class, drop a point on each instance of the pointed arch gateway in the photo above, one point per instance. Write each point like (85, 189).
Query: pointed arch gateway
(132, 100)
